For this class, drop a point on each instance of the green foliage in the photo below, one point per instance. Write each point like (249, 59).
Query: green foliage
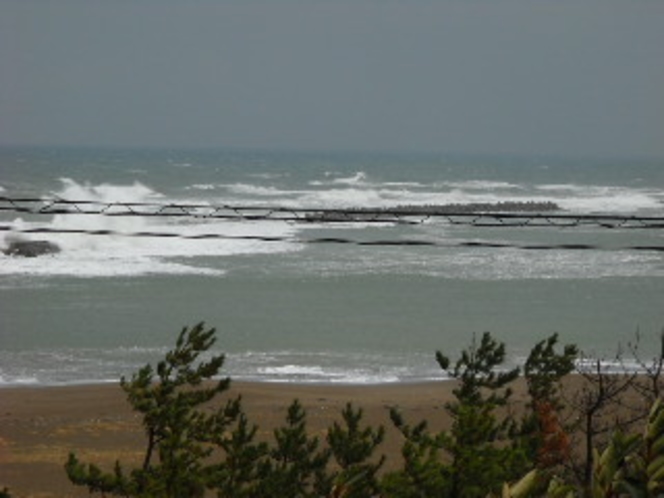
(478, 369)
(481, 460)
(169, 398)
(96, 480)
(486, 445)
(638, 460)
(352, 447)
(297, 465)
(474, 456)
(631, 466)
(545, 368)
(609, 471)
(238, 473)
(541, 433)
(171, 418)
(194, 446)
(424, 473)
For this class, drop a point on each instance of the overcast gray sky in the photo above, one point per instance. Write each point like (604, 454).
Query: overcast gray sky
(506, 76)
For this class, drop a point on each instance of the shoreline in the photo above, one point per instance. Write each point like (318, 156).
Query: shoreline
(293, 383)
(41, 425)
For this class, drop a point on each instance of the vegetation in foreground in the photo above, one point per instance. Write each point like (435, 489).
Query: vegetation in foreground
(562, 444)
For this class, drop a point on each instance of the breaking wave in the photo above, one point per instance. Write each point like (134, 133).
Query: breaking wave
(119, 252)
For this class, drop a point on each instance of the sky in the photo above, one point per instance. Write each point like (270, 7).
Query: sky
(566, 77)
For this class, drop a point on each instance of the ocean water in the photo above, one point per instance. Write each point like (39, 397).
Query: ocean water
(288, 307)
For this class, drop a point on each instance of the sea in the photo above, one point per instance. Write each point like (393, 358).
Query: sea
(313, 300)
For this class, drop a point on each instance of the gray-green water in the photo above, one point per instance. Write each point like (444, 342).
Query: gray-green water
(294, 311)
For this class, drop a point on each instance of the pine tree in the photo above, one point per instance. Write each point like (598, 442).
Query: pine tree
(542, 432)
(237, 475)
(480, 460)
(169, 399)
(353, 447)
(297, 466)
(474, 456)
(424, 473)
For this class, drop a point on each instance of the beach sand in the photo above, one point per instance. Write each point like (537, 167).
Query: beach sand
(41, 425)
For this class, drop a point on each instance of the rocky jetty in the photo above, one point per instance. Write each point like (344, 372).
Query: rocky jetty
(485, 207)
(360, 214)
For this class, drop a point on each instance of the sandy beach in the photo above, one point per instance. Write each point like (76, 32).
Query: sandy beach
(41, 425)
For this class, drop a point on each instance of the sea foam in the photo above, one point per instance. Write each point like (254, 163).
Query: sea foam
(95, 245)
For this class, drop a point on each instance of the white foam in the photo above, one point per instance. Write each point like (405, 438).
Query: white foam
(315, 373)
(92, 266)
(105, 192)
(359, 178)
(599, 198)
(404, 184)
(563, 187)
(75, 366)
(256, 190)
(201, 186)
(120, 253)
(331, 366)
(379, 196)
(19, 381)
(384, 197)
(292, 370)
(347, 197)
(117, 255)
(483, 185)
(621, 201)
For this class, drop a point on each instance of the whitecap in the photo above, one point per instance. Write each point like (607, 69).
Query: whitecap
(292, 370)
(105, 192)
(256, 190)
(358, 178)
(201, 186)
(602, 198)
(563, 187)
(483, 185)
